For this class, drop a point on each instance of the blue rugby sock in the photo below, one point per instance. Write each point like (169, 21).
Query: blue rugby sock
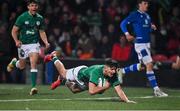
(152, 79)
(132, 68)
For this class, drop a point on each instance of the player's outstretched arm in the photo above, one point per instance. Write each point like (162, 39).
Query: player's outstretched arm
(122, 95)
(94, 89)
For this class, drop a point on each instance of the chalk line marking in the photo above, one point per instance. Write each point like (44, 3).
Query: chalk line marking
(71, 99)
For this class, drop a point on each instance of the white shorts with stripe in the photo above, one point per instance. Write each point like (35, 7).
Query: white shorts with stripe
(144, 53)
(72, 75)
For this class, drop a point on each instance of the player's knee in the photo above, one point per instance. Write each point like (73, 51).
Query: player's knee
(149, 66)
(21, 66)
(91, 92)
(176, 66)
(74, 91)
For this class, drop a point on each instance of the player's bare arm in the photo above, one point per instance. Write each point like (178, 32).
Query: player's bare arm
(122, 95)
(44, 38)
(94, 89)
(15, 32)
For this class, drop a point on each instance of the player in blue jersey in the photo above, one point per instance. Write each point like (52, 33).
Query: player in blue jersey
(142, 27)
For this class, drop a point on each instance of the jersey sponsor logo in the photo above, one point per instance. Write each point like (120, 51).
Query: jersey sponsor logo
(30, 32)
(148, 17)
(38, 23)
(26, 22)
(146, 21)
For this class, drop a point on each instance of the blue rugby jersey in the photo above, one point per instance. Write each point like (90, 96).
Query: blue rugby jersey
(141, 23)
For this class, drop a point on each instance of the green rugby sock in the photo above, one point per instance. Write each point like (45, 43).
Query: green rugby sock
(55, 59)
(33, 77)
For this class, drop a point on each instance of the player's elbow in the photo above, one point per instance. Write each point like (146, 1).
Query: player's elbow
(13, 32)
(122, 24)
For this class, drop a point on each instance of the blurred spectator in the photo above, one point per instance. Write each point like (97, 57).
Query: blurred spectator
(121, 51)
(173, 45)
(111, 33)
(65, 44)
(75, 35)
(94, 17)
(103, 48)
(95, 32)
(5, 52)
(85, 47)
(4, 12)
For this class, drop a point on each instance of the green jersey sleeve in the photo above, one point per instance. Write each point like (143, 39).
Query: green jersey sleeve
(94, 78)
(19, 21)
(114, 81)
(42, 26)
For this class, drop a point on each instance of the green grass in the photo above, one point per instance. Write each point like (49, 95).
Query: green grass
(16, 97)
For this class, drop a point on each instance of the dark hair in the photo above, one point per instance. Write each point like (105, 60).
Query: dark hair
(111, 63)
(33, 1)
(140, 1)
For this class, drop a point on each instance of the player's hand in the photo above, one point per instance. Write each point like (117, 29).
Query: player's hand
(47, 45)
(107, 85)
(153, 27)
(130, 101)
(129, 37)
(18, 43)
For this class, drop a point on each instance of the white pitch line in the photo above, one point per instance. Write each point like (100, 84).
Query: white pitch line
(70, 99)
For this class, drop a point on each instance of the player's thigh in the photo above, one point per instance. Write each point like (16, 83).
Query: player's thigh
(33, 53)
(144, 53)
(22, 63)
(33, 57)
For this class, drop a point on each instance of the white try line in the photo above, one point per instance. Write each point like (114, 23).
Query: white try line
(71, 99)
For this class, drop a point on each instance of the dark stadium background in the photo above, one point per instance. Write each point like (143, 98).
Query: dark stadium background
(95, 21)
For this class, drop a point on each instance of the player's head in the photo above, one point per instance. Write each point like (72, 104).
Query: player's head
(33, 6)
(110, 67)
(143, 5)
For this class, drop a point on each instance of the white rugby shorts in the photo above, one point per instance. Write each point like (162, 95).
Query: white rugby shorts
(26, 49)
(72, 74)
(144, 53)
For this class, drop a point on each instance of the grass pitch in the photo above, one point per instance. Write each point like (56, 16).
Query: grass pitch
(16, 97)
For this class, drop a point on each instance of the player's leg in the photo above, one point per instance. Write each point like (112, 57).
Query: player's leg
(152, 79)
(176, 65)
(59, 66)
(72, 81)
(168, 65)
(132, 68)
(33, 71)
(18, 63)
(123, 71)
(73, 86)
(11, 65)
(32, 51)
(144, 55)
(163, 65)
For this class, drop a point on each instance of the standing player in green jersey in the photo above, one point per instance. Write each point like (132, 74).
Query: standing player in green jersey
(26, 32)
(96, 78)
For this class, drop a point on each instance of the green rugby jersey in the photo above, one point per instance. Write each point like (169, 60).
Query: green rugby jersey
(29, 27)
(94, 74)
